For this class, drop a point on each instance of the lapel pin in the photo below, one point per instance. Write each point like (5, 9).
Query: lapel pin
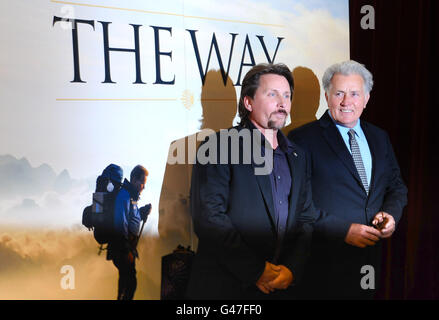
(295, 154)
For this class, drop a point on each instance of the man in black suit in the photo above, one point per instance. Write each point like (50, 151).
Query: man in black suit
(356, 183)
(253, 218)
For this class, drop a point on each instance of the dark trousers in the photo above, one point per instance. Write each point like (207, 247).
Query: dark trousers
(336, 275)
(127, 277)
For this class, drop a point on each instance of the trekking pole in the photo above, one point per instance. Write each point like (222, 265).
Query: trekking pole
(140, 233)
(147, 209)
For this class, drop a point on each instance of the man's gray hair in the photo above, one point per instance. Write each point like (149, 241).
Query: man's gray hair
(347, 68)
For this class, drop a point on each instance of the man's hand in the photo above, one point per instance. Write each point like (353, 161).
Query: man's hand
(271, 271)
(385, 223)
(145, 211)
(360, 235)
(283, 280)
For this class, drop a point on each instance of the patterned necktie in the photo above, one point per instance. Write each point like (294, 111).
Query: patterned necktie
(356, 155)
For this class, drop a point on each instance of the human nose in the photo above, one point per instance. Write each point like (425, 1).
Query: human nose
(346, 100)
(282, 101)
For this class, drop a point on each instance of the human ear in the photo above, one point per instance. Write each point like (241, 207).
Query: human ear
(248, 103)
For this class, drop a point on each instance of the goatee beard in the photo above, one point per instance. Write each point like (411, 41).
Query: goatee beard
(273, 124)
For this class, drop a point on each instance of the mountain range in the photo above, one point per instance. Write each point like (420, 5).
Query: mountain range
(19, 178)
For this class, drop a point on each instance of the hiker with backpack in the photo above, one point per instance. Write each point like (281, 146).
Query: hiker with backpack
(127, 218)
(115, 218)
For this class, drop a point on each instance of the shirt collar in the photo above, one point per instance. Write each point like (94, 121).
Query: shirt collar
(343, 129)
(284, 143)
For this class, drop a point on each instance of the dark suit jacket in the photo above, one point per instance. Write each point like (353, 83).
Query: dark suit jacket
(233, 214)
(338, 192)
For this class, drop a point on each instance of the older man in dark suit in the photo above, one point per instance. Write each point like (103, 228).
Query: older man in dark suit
(253, 219)
(356, 182)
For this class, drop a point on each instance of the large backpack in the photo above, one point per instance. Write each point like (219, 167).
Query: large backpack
(99, 217)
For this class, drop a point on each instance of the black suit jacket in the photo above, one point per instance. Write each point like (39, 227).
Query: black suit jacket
(233, 214)
(338, 192)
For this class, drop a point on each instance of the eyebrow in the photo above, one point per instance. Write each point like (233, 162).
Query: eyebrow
(272, 89)
(348, 91)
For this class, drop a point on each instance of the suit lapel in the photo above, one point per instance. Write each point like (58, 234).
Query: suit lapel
(264, 184)
(294, 195)
(336, 143)
(267, 193)
(265, 187)
(263, 181)
(372, 142)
